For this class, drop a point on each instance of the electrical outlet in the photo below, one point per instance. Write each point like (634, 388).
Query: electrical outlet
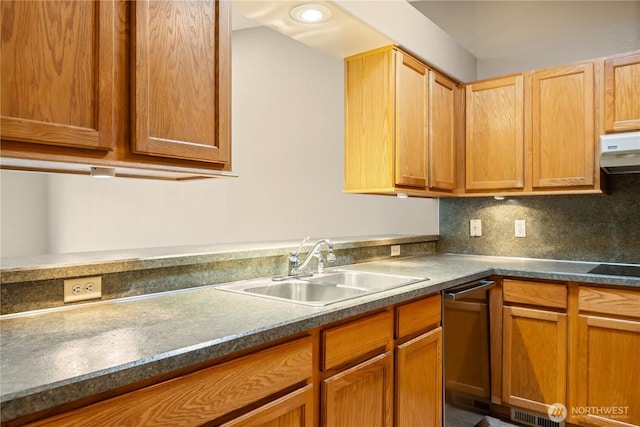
(521, 228)
(395, 250)
(475, 228)
(82, 288)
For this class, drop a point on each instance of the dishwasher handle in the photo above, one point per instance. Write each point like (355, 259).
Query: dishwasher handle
(461, 291)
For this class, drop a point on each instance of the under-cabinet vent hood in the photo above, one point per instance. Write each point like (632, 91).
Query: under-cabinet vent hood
(620, 153)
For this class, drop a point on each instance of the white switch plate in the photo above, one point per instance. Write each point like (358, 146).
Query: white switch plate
(475, 228)
(521, 228)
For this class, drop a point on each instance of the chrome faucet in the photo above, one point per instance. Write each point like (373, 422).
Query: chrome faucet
(296, 267)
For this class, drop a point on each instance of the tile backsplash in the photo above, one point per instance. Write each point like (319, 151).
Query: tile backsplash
(602, 228)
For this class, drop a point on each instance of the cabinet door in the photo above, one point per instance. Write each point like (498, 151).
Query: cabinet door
(442, 134)
(58, 73)
(622, 98)
(293, 410)
(534, 358)
(562, 126)
(180, 84)
(494, 134)
(412, 83)
(419, 381)
(467, 347)
(360, 396)
(204, 396)
(608, 372)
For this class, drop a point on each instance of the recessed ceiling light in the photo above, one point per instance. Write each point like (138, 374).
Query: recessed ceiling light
(310, 13)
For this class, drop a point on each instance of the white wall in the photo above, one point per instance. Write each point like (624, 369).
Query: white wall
(23, 213)
(287, 148)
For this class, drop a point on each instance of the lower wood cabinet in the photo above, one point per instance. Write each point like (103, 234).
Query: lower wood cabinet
(206, 395)
(419, 381)
(534, 347)
(401, 381)
(534, 358)
(357, 367)
(293, 410)
(607, 360)
(360, 396)
(383, 369)
(575, 344)
(418, 363)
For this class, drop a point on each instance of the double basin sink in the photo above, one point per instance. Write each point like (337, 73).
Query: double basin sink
(321, 289)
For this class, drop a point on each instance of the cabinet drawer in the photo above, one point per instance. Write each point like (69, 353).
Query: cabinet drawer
(350, 342)
(417, 316)
(202, 396)
(619, 302)
(535, 293)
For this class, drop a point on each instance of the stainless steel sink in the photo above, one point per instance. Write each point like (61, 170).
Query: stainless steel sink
(308, 292)
(365, 280)
(323, 289)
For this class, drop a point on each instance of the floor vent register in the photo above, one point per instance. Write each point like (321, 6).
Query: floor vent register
(532, 419)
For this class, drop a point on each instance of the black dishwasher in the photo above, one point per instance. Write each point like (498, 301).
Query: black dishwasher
(467, 371)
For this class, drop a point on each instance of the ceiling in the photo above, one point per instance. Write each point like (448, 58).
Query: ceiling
(513, 36)
(342, 35)
(518, 35)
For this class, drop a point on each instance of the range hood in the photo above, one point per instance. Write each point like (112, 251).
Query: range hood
(620, 153)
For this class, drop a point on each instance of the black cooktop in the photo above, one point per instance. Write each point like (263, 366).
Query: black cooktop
(616, 270)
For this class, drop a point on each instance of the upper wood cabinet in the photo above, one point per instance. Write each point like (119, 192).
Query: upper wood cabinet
(622, 93)
(392, 133)
(411, 147)
(180, 108)
(141, 86)
(533, 133)
(561, 126)
(525, 134)
(58, 73)
(443, 116)
(494, 134)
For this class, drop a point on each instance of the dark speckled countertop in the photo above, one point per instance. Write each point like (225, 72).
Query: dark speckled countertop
(52, 357)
